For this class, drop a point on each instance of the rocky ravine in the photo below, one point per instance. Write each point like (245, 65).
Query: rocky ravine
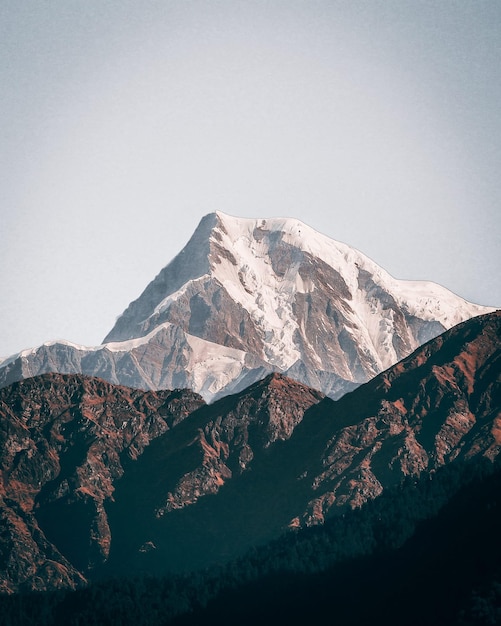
(216, 480)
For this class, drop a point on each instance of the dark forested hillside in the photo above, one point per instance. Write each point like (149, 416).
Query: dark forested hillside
(425, 553)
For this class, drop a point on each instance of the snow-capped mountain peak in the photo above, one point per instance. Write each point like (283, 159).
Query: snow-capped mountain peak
(246, 297)
(295, 299)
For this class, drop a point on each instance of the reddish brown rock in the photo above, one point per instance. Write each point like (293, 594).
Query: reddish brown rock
(229, 433)
(98, 478)
(440, 404)
(65, 440)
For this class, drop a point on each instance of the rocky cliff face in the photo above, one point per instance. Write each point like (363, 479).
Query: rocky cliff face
(229, 436)
(65, 441)
(248, 297)
(100, 480)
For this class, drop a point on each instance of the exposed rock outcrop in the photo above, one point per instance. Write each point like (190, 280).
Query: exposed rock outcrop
(440, 404)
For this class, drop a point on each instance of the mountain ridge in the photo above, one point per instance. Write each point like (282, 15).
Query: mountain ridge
(97, 479)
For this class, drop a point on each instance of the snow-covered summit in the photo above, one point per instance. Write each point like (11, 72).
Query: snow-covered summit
(423, 297)
(238, 253)
(295, 299)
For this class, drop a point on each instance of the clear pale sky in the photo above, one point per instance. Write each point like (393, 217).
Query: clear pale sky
(123, 122)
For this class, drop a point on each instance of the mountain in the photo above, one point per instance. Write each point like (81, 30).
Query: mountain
(247, 297)
(242, 470)
(99, 480)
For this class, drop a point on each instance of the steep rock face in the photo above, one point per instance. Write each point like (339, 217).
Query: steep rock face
(64, 442)
(203, 462)
(247, 297)
(231, 433)
(28, 561)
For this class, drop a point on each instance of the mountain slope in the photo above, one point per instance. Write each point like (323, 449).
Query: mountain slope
(422, 555)
(419, 556)
(99, 480)
(230, 484)
(166, 358)
(65, 441)
(247, 297)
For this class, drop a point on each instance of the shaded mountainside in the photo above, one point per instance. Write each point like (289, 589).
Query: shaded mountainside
(99, 480)
(247, 297)
(220, 489)
(426, 555)
(423, 553)
(65, 441)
